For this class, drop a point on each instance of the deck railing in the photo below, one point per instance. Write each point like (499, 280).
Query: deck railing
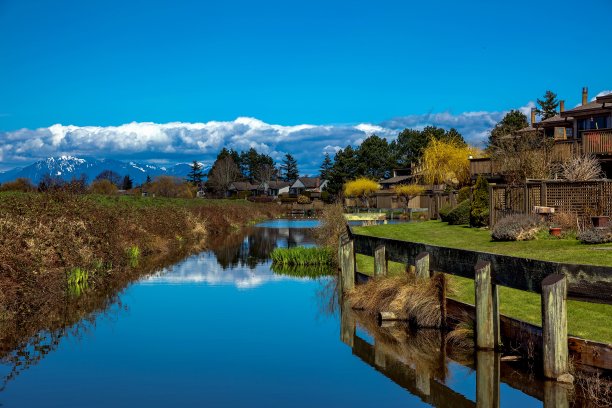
(554, 281)
(597, 141)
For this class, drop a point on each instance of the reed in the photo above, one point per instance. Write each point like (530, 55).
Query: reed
(133, 254)
(78, 281)
(302, 256)
(311, 271)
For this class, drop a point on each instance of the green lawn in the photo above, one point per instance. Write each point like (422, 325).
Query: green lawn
(584, 319)
(453, 236)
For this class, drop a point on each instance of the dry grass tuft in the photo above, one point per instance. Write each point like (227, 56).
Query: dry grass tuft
(416, 301)
(595, 388)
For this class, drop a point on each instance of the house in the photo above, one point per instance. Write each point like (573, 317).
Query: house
(585, 129)
(274, 188)
(307, 184)
(242, 189)
(400, 176)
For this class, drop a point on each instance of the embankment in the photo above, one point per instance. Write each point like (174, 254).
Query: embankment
(44, 237)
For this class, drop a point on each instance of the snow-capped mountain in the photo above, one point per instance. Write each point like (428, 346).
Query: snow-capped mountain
(68, 167)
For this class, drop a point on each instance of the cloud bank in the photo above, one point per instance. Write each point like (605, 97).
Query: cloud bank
(183, 142)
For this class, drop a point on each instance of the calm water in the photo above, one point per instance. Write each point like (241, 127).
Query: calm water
(222, 329)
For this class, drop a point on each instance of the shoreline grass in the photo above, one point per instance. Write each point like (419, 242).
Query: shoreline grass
(302, 256)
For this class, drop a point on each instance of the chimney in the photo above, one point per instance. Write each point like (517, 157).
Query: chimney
(561, 106)
(533, 112)
(585, 95)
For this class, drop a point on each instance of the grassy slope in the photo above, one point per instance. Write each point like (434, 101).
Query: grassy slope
(585, 319)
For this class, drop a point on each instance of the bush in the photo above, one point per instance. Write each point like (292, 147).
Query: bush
(20, 184)
(460, 215)
(479, 211)
(444, 211)
(303, 199)
(465, 193)
(517, 227)
(596, 236)
(261, 199)
(103, 186)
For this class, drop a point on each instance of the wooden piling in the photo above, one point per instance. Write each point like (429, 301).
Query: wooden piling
(487, 310)
(347, 264)
(348, 324)
(554, 327)
(421, 264)
(380, 261)
(556, 395)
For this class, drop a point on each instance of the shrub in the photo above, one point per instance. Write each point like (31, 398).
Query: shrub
(464, 193)
(168, 186)
(302, 199)
(261, 199)
(582, 168)
(444, 211)
(460, 215)
(20, 184)
(519, 227)
(103, 186)
(479, 211)
(596, 236)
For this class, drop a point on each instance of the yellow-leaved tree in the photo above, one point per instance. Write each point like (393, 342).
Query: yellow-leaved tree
(407, 192)
(363, 188)
(447, 162)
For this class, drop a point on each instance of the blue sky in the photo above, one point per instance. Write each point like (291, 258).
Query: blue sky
(328, 63)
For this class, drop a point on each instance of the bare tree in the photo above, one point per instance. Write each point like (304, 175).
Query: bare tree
(523, 155)
(582, 168)
(223, 173)
(265, 172)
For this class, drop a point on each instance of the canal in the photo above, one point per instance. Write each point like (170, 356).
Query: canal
(222, 328)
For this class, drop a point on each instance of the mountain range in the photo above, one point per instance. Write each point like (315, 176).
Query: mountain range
(68, 167)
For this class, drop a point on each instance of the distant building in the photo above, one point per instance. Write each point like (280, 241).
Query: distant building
(274, 188)
(242, 188)
(307, 184)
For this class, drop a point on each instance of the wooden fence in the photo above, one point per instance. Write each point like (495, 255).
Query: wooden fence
(554, 281)
(581, 198)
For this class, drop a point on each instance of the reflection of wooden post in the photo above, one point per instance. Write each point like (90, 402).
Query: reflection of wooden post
(347, 263)
(556, 395)
(487, 310)
(554, 326)
(421, 265)
(487, 379)
(347, 325)
(422, 378)
(380, 261)
(379, 356)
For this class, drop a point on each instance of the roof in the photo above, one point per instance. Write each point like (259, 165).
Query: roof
(597, 105)
(605, 98)
(243, 186)
(394, 180)
(528, 129)
(557, 119)
(277, 185)
(310, 182)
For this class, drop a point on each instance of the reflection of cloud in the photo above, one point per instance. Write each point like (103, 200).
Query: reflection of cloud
(204, 269)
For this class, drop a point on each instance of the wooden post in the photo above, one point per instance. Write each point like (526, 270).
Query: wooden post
(487, 379)
(543, 195)
(421, 264)
(554, 328)
(380, 261)
(441, 283)
(422, 378)
(347, 264)
(491, 206)
(487, 310)
(526, 196)
(379, 355)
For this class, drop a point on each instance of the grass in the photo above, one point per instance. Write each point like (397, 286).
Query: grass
(312, 271)
(301, 256)
(456, 236)
(584, 319)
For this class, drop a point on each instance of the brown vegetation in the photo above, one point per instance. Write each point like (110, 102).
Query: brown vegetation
(333, 224)
(45, 237)
(416, 301)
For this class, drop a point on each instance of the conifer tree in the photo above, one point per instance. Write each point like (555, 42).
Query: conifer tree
(195, 174)
(289, 168)
(326, 167)
(127, 183)
(548, 105)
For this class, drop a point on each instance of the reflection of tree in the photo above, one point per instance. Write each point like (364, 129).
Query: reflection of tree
(253, 246)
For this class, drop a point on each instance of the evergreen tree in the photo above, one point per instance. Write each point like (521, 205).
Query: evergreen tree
(289, 168)
(410, 143)
(513, 121)
(148, 181)
(326, 167)
(195, 175)
(343, 170)
(548, 105)
(127, 183)
(374, 158)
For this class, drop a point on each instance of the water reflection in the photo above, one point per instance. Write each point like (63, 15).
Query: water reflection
(424, 364)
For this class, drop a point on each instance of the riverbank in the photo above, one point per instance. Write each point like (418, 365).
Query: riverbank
(59, 249)
(584, 319)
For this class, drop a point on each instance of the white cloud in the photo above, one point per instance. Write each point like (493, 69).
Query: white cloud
(182, 142)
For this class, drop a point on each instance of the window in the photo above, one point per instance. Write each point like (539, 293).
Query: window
(594, 122)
